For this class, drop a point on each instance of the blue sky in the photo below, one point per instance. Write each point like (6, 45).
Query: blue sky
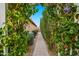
(35, 18)
(38, 15)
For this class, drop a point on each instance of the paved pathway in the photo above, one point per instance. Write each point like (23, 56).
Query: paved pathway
(40, 46)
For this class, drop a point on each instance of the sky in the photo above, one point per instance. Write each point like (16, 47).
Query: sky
(38, 15)
(35, 18)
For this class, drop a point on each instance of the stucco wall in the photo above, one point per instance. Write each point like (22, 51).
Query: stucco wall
(30, 27)
(2, 13)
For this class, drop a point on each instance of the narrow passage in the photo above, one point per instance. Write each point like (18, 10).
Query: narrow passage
(40, 46)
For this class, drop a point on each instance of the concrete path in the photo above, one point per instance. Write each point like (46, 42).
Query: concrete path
(40, 46)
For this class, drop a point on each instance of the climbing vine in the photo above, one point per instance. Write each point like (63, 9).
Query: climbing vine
(59, 29)
(13, 37)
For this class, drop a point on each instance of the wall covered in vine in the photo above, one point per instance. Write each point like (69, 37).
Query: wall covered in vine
(59, 29)
(13, 37)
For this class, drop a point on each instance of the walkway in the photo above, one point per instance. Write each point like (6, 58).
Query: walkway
(40, 46)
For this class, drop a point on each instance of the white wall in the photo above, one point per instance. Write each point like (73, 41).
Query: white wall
(2, 13)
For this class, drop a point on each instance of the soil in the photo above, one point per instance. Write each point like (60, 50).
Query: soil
(30, 51)
(52, 52)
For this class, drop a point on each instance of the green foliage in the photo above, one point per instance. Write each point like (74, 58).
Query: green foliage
(59, 28)
(1, 45)
(15, 37)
